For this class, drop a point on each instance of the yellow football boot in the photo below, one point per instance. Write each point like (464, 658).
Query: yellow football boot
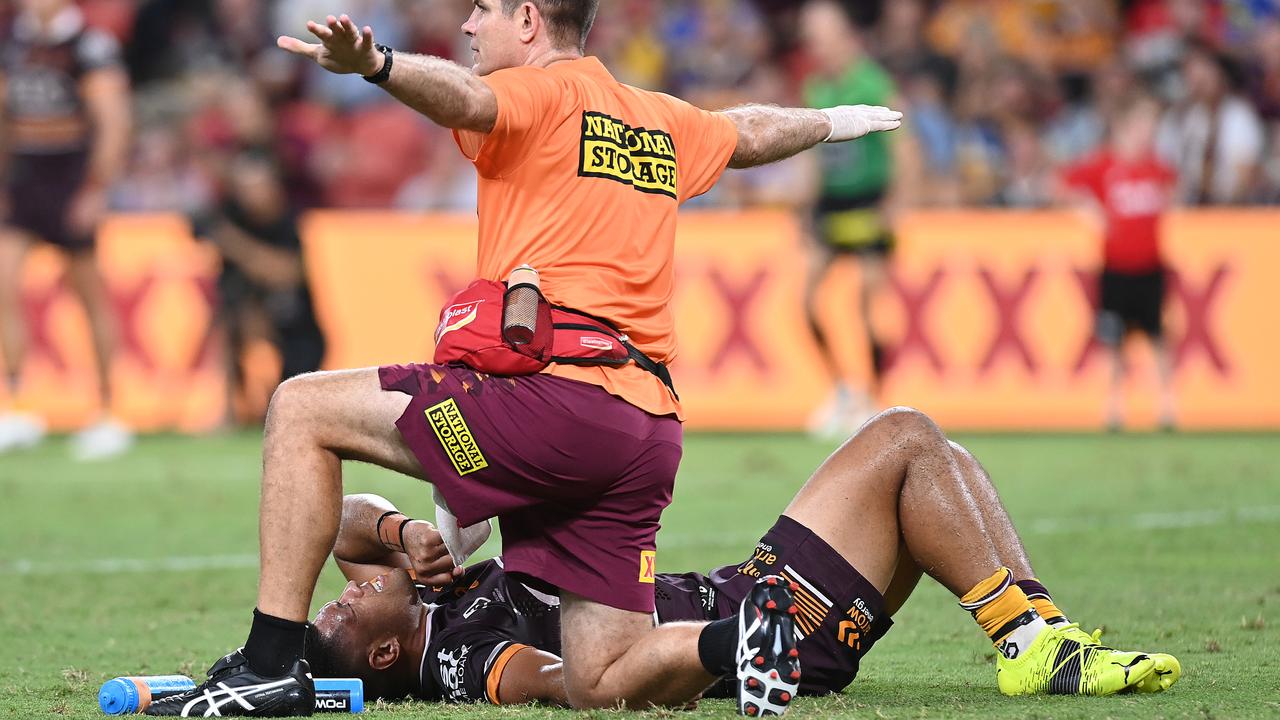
(1168, 669)
(1061, 662)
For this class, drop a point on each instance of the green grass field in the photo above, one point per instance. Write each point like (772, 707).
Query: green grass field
(146, 565)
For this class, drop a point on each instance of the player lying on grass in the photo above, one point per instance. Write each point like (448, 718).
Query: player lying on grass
(895, 499)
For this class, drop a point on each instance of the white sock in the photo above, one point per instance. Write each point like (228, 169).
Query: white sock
(1019, 640)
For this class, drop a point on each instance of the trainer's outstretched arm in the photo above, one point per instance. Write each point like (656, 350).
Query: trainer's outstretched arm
(767, 133)
(446, 92)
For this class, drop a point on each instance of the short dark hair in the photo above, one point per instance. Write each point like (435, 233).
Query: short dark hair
(329, 658)
(568, 21)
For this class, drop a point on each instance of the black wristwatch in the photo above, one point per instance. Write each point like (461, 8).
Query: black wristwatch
(382, 75)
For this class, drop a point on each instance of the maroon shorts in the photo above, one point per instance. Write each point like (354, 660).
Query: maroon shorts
(577, 478)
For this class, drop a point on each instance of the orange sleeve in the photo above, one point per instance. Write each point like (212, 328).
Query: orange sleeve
(527, 100)
(705, 141)
(494, 681)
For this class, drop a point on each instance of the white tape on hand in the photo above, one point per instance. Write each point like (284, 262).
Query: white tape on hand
(849, 122)
(461, 543)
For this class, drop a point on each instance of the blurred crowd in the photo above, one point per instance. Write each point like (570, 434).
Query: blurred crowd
(1000, 94)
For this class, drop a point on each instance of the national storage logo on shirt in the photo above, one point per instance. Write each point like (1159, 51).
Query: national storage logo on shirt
(643, 159)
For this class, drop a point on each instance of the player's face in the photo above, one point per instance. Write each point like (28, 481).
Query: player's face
(495, 37)
(367, 612)
(825, 31)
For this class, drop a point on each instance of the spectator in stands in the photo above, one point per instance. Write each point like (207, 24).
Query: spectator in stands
(1215, 138)
(64, 140)
(263, 286)
(1126, 188)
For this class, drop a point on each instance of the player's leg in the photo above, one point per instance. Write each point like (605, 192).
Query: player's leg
(1014, 556)
(1110, 332)
(899, 474)
(106, 436)
(1000, 531)
(85, 279)
(17, 429)
(314, 422)
(1152, 323)
(873, 265)
(614, 656)
(13, 332)
(819, 264)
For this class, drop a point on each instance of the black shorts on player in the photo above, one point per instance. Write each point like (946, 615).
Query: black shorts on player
(853, 226)
(40, 189)
(841, 615)
(1130, 302)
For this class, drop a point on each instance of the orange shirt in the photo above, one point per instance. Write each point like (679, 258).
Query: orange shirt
(581, 178)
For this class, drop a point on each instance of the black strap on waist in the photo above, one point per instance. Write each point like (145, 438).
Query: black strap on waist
(637, 356)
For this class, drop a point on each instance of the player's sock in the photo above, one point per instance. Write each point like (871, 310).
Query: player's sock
(718, 646)
(1004, 613)
(1042, 602)
(274, 644)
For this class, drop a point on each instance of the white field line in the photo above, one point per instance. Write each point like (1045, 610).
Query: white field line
(1262, 514)
(110, 566)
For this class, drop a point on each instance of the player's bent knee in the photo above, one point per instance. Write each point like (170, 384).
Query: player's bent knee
(290, 407)
(901, 422)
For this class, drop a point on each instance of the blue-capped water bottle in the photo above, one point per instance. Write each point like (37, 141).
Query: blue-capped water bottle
(339, 695)
(123, 695)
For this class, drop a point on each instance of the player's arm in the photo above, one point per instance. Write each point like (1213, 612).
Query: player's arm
(374, 536)
(446, 92)
(106, 97)
(4, 148)
(767, 133)
(532, 675)
(272, 266)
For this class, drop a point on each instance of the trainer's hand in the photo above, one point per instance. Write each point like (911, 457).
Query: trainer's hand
(428, 555)
(342, 49)
(850, 122)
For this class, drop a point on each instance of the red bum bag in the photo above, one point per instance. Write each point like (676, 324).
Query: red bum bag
(470, 332)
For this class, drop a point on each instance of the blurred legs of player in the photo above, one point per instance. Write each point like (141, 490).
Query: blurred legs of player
(102, 438)
(105, 437)
(925, 502)
(848, 406)
(18, 429)
(1135, 303)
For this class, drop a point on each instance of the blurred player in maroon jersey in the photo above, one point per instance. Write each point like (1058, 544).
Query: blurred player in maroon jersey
(1129, 188)
(64, 138)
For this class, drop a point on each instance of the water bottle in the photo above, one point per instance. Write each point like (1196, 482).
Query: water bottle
(339, 695)
(520, 306)
(123, 695)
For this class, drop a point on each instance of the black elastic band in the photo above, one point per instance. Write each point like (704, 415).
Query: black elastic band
(404, 522)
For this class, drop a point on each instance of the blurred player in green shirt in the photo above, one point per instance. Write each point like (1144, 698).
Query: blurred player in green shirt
(849, 217)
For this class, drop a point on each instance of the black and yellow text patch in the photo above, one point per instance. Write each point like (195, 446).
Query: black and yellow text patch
(643, 159)
(456, 438)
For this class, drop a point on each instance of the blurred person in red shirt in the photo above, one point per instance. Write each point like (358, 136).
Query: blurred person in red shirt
(1128, 189)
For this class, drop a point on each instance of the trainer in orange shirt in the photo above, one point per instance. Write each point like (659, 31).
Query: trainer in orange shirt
(581, 177)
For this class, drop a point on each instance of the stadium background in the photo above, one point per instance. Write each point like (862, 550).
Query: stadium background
(146, 563)
(986, 310)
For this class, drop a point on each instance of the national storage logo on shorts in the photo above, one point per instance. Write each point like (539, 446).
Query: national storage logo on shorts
(643, 159)
(456, 438)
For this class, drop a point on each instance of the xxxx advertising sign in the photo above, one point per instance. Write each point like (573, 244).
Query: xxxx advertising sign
(987, 317)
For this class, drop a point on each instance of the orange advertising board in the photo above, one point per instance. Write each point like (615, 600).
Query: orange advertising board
(988, 318)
